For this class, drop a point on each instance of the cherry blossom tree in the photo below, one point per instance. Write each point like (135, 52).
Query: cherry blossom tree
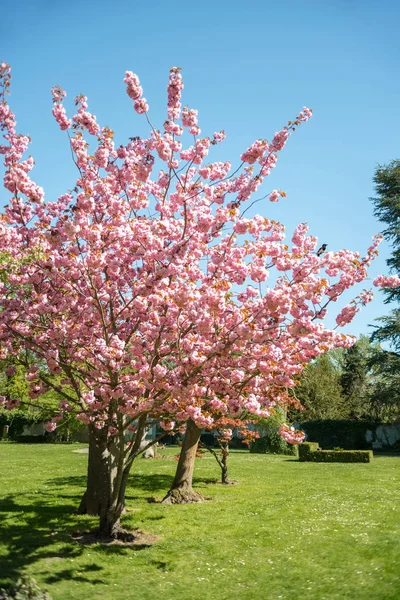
(145, 286)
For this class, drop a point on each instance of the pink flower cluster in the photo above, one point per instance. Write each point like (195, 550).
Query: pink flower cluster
(175, 87)
(391, 281)
(135, 91)
(58, 111)
(291, 435)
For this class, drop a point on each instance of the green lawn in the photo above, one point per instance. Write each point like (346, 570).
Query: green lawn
(288, 530)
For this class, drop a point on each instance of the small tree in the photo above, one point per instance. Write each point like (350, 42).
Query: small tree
(224, 429)
(144, 289)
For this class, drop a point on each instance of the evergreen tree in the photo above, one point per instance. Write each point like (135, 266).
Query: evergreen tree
(355, 380)
(385, 391)
(387, 209)
(319, 390)
(385, 397)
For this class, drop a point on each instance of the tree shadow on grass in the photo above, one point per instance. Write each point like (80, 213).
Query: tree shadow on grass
(202, 481)
(32, 529)
(159, 483)
(62, 484)
(37, 526)
(152, 482)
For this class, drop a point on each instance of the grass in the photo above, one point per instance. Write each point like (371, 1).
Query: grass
(287, 530)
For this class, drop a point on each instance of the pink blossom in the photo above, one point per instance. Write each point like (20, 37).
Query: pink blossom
(291, 435)
(167, 425)
(347, 314)
(274, 196)
(391, 281)
(50, 426)
(12, 403)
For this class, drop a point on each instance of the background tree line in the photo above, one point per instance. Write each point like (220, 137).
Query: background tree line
(362, 383)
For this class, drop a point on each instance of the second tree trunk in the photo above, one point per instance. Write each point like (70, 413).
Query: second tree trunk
(181, 491)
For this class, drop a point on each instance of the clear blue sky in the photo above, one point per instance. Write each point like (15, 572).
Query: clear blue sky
(248, 67)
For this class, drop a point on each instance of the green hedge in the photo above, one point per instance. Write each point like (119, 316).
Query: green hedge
(306, 448)
(17, 420)
(310, 452)
(330, 433)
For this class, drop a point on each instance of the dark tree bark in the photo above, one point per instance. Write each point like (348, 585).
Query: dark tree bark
(101, 473)
(224, 463)
(181, 491)
(222, 459)
(109, 465)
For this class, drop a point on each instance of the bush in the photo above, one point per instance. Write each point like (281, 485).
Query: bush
(306, 448)
(25, 589)
(270, 442)
(310, 452)
(329, 433)
(33, 439)
(17, 420)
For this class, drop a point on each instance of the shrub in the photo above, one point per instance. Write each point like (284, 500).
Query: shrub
(270, 442)
(17, 420)
(329, 433)
(306, 448)
(33, 439)
(25, 589)
(310, 452)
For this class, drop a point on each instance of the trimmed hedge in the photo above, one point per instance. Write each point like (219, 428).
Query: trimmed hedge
(310, 452)
(17, 420)
(349, 435)
(306, 448)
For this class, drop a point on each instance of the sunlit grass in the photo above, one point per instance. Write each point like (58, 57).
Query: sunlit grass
(287, 530)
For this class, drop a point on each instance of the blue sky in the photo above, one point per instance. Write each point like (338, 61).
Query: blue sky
(247, 68)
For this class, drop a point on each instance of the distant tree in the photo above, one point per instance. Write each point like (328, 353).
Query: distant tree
(355, 379)
(320, 390)
(384, 398)
(223, 436)
(387, 209)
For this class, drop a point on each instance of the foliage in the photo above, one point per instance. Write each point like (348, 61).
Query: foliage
(385, 396)
(359, 379)
(319, 390)
(385, 391)
(345, 433)
(25, 589)
(387, 209)
(286, 527)
(17, 420)
(312, 453)
(358, 383)
(270, 441)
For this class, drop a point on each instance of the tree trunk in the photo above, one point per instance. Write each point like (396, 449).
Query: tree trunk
(181, 491)
(102, 470)
(224, 465)
(108, 470)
